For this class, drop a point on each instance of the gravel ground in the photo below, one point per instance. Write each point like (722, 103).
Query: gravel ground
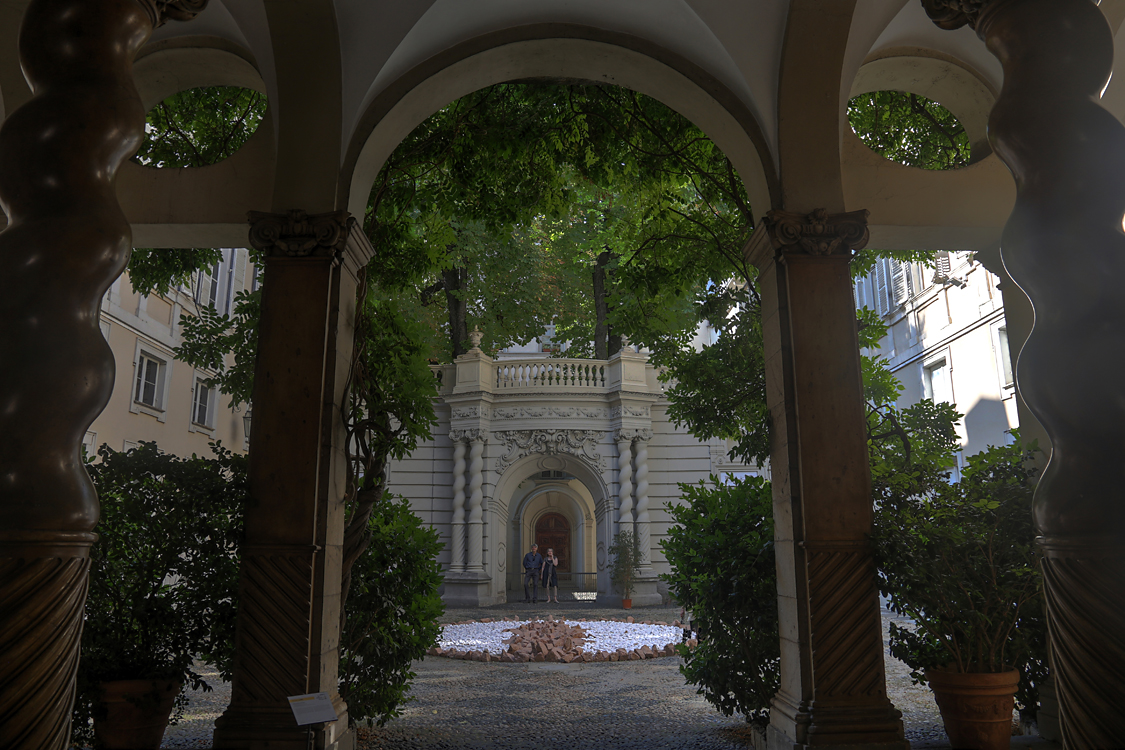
(620, 705)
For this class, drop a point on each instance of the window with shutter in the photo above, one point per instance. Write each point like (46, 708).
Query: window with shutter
(201, 406)
(881, 305)
(941, 260)
(150, 381)
(898, 278)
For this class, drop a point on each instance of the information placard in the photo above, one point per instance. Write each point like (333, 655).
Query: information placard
(314, 708)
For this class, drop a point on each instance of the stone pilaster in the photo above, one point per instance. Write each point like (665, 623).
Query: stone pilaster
(65, 243)
(287, 637)
(832, 687)
(457, 526)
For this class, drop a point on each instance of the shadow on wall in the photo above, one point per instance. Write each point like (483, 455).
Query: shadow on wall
(986, 424)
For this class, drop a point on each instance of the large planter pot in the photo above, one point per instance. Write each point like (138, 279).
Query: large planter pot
(976, 707)
(136, 713)
(626, 604)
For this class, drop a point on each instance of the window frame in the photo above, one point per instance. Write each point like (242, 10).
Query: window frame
(146, 351)
(1001, 347)
(930, 363)
(207, 427)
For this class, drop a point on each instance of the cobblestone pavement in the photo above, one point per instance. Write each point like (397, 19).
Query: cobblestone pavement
(618, 705)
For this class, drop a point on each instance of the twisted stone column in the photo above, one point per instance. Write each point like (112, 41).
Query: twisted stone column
(833, 690)
(624, 440)
(65, 243)
(1064, 246)
(457, 527)
(644, 534)
(475, 560)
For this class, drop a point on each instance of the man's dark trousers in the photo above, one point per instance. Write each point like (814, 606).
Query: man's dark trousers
(533, 577)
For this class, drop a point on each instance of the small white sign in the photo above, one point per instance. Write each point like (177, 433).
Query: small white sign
(314, 708)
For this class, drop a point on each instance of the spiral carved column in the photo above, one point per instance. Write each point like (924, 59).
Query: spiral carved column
(66, 241)
(475, 559)
(644, 533)
(457, 528)
(624, 480)
(1064, 246)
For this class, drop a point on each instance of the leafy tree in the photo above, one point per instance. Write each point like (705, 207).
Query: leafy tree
(909, 129)
(721, 550)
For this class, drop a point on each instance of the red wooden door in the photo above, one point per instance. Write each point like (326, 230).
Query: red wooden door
(553, 531)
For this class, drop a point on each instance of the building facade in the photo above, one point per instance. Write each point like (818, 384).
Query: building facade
(947, 340)
(155, 397)
(560, 452)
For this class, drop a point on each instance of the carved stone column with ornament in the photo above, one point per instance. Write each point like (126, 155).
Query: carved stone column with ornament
(65, 243)
(833, 691)
(1063, 245)
(287, 637)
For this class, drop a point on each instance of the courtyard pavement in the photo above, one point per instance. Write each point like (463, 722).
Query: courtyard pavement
(547, 706)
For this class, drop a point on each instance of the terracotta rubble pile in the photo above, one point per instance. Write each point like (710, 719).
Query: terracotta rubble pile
(557, 641)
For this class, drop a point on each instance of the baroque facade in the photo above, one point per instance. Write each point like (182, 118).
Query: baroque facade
(563, 452)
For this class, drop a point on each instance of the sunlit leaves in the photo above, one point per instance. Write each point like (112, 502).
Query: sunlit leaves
(201, 126)
(909, 129)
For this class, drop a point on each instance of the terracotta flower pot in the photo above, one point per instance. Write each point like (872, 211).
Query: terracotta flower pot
(976, 707)
(137, 713)
(626, 604)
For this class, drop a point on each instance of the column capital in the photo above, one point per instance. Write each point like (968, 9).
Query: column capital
(298, 234)
(162, 11)
(630, 435)
(818, 234)
(953, 14)
(469, 435)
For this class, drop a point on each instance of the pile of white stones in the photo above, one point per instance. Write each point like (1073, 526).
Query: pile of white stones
(563, 641)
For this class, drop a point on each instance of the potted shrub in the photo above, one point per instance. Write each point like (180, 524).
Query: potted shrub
(626, 565)
(162, 580)
(958, 559)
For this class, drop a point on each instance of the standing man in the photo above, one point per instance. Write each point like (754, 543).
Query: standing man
(532, 567)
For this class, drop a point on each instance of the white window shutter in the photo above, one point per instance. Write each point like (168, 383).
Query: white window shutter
(239, 270)
(881, 305)
(941, 260)
(898, 278)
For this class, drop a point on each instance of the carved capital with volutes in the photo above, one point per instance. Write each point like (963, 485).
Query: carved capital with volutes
(953, 14)
(631, 435)
(469, 435)
(162, 11)
(817, 233)
(296, 234)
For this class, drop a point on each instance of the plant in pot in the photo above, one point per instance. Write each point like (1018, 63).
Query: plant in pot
(957, 558)
(163, 577)
(626, 565)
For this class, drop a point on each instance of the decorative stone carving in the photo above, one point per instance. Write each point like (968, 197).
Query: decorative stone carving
(582, 444)
(817, 233)
(539, 412)
(475, 514)
(643, 433)
(296, 234)
(469, 412)
(161, 11)
(475, 338)
(457, 525)
(953, 14)
(468, 435)
(630, 411)
(501, 557)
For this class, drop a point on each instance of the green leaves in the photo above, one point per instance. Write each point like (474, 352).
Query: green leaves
(909, 129)
(723, 571)
(164, 571)
(958, 557)
(201, 126)
(393, 608)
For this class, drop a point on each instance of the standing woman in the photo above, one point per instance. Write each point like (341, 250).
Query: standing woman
(550, 574)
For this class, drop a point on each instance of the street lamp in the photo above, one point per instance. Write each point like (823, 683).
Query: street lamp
(246, 422)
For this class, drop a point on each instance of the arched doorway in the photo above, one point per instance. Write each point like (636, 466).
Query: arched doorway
(552, 531)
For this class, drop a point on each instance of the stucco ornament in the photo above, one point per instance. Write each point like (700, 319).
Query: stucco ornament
(582, 444)
(296, 234)
(468, 435)
(643, 434)
(953, 14)
(819, 232)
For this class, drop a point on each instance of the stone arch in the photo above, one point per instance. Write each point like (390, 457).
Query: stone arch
(203, 206)
(940, 78)
(558, 51)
